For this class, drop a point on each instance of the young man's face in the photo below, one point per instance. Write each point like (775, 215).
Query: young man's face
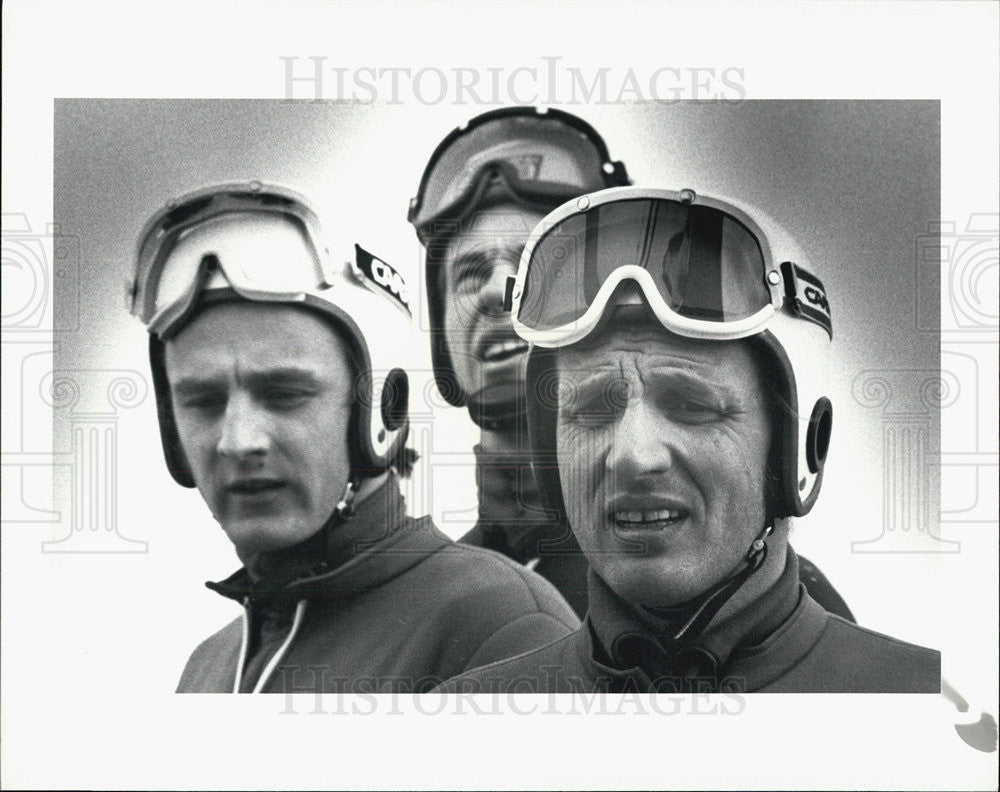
(262, 399)
(488, 358)
(663, 443)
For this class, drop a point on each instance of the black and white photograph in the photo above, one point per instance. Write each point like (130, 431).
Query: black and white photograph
(526, 396)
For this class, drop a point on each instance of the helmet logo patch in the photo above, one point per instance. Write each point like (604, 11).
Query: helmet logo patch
(382, 276)
(816, 297)
(806, 296)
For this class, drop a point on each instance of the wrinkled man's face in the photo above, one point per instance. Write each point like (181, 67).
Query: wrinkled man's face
(487, 356)
(262, 399)
(663, 443)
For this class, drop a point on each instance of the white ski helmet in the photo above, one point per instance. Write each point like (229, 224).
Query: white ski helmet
(264, 243)
(707, 268)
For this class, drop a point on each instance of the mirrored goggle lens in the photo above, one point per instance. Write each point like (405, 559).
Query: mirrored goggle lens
(258, 253)
(705, 263)
(538, 152)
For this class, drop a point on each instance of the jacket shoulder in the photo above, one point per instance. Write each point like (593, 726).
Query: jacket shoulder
(483, 575)
(849, 658)
(212, 665)
(552, 668)
(501, 608)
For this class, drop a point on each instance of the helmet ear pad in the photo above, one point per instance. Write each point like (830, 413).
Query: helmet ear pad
(395, 399)
(391, 399)
(783, 493)
(173, 452)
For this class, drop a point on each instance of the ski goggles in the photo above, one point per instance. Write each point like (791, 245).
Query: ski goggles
(262, 242)
(541, 156)
(704, 266)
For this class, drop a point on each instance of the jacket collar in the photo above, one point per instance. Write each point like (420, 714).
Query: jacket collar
(377, 543)
(633, 649)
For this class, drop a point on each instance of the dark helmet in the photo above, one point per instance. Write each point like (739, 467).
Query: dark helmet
(535, 157)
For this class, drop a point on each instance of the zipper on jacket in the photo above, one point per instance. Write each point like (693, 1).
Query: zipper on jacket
(275, 661)
(277, 657)
(244, 644)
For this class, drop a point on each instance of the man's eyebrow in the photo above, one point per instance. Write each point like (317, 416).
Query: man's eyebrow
(691, 381)
(467, 261)
(599, 376)
(282, 374)
(196, 384)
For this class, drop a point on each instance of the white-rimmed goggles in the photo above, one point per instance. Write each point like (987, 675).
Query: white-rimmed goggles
(264, 242)
(705, 267)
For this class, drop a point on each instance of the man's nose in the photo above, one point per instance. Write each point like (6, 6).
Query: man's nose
(245, 428)
(642, 444)
(492, 292)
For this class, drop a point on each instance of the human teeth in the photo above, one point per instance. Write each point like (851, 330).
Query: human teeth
(647, 516)
(503, 347)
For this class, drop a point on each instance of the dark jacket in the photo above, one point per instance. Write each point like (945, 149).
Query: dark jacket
(783, 642)
(398, 607)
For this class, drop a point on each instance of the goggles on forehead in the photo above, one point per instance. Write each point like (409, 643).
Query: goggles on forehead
(542, 156)
(704, 266)
(262, 242)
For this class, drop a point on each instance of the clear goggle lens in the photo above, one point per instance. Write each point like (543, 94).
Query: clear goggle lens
(538, 156)
(260, 252)
(705, 264)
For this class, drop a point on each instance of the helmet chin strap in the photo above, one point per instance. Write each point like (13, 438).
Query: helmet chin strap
(342, 512)
(702, 609)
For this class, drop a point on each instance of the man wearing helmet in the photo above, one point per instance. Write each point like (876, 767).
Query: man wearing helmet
(676, 350)
(282, 398)
(485, 187)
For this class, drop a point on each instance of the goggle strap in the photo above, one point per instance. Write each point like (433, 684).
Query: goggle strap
(508, 294)
(493, 175)
(805, 296)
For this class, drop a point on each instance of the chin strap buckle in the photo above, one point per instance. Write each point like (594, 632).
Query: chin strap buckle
(757, 545)
(345, 506)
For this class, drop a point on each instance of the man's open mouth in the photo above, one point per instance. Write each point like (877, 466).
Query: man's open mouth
(248, 487)
(502, 350)
(647, 520)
